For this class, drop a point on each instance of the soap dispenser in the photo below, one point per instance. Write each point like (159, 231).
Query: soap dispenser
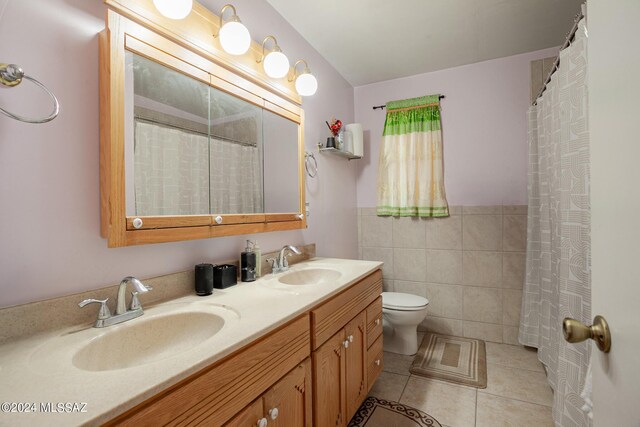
(248, 264)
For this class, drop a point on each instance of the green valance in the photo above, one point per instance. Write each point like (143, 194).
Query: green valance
(410, 117)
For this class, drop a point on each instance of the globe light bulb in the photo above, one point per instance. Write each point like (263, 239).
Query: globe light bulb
(235, 38)
(174, 9)
(276, 64)
(306, 84)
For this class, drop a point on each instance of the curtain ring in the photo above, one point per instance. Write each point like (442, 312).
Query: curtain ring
(311, 168)
(11, 75)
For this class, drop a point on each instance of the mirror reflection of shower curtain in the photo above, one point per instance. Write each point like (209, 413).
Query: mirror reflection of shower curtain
(176, 172)
(558, 272)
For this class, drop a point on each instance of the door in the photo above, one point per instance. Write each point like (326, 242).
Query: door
(249, 416)
(329, 382)
(356, 362)
(614, 93)
(287, 404)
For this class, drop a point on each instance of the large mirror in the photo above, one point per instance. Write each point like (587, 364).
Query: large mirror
(192, 149)
(193, 145)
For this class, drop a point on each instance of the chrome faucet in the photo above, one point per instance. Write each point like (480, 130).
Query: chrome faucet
(281, 264)
(105, 318)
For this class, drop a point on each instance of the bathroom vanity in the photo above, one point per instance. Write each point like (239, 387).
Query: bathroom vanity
(299, 348)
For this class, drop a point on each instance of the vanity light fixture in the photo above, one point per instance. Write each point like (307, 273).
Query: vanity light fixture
(234, 36)
(275, 63)
(306, 83)
(174, 9)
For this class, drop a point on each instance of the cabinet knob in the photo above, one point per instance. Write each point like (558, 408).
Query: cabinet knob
(262, 422)
(377, 322)
(137, 223)
(273, 413)
(377, 362)
(350, 338)
(218, 219)
(300, 216)
(346, 344)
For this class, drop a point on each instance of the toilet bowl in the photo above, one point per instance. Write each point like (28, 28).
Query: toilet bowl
(401, 315)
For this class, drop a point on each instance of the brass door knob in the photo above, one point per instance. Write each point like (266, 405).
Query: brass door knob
(575, 331)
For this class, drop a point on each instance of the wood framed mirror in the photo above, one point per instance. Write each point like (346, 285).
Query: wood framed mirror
(194, 144)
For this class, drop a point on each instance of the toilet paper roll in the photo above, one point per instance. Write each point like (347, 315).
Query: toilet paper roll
(357, 137)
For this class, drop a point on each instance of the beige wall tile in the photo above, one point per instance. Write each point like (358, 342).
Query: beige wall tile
(514, 233)
(380, 254)
(359, 230)
(482, 305)
(521, 384)
(376, 231)
(482, 232)
(515, 209)
(513, 269)
(547, 64)
(389, 386)
(388, 285)
(537, 78)
(444, 233)
(409, 264)
(408, 232)
(496, 411)
(450, 404)
(441, 325)
(482, 210)
(483, 331)
(482, 268)
(414, 288)
(510, 335)
(444, 300)
(444, 266)
(511, 305)
(455, 210)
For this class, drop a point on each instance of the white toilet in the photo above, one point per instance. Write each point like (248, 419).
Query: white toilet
(401, 315)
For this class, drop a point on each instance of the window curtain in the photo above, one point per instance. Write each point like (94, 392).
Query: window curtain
(410, 169)
(558, 274)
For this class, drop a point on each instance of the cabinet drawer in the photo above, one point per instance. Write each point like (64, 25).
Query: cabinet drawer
(331, 316)
(374, 362)
(374, 321)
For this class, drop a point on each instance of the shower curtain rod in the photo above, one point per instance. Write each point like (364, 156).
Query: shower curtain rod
(567, 42)
(376, 107)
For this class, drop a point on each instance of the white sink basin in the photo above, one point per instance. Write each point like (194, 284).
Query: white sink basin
(143, 341)
(310, 276)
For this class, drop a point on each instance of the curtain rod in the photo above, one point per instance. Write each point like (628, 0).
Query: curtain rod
(376, 107)
(570, 35)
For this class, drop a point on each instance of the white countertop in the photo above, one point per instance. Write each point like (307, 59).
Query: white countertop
(38, 369)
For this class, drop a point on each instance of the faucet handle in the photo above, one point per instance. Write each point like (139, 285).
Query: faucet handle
(135, 302)
(104, 312)
(274, 262)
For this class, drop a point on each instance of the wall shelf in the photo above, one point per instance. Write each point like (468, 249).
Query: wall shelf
(340, 153)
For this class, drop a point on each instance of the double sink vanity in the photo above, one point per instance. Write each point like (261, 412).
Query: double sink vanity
(298, 348)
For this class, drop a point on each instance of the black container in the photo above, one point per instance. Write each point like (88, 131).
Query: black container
(248, 266)
(204, 279)
(224, 275)
(331, 142)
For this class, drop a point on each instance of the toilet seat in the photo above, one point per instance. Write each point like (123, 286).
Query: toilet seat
(403, 302)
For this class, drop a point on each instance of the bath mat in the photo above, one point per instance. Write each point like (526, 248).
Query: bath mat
(376, 412)
(454, 359)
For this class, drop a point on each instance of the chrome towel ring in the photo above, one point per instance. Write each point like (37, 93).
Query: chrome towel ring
(311, 168)
(12, 75)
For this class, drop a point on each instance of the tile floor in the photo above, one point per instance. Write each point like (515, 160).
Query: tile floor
(517, 392)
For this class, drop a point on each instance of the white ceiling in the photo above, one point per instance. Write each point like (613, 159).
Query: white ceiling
(374, 40)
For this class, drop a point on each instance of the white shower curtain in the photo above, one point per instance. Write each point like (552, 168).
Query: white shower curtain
(558, 275)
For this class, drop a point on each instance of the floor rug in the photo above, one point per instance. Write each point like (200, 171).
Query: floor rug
(454, 359)
(376, 412)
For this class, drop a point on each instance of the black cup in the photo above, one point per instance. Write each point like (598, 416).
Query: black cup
(331, 142)
(204, 279)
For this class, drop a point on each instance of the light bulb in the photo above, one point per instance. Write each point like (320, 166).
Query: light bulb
(174, 9)
(235, 38)
(276, 64)
(306, 84)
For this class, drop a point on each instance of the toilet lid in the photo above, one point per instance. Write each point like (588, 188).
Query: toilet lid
(401, 301)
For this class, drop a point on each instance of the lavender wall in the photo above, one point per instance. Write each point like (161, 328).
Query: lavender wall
(484, 128)
(50, 241)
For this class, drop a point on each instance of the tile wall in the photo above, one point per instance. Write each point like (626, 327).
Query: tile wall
(470, 266)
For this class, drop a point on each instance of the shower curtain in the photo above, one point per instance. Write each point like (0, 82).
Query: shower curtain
(558, 276)
(410, 169)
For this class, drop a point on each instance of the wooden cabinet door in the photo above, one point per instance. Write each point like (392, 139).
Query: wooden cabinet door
(288, 403)
(356, 362)
(249, 416)
(329, 382)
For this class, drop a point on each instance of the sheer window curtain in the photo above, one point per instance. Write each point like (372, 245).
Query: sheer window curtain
(410, 169)
(558, 276)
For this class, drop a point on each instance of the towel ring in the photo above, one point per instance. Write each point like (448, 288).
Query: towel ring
(12, 75)
(311, 168)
